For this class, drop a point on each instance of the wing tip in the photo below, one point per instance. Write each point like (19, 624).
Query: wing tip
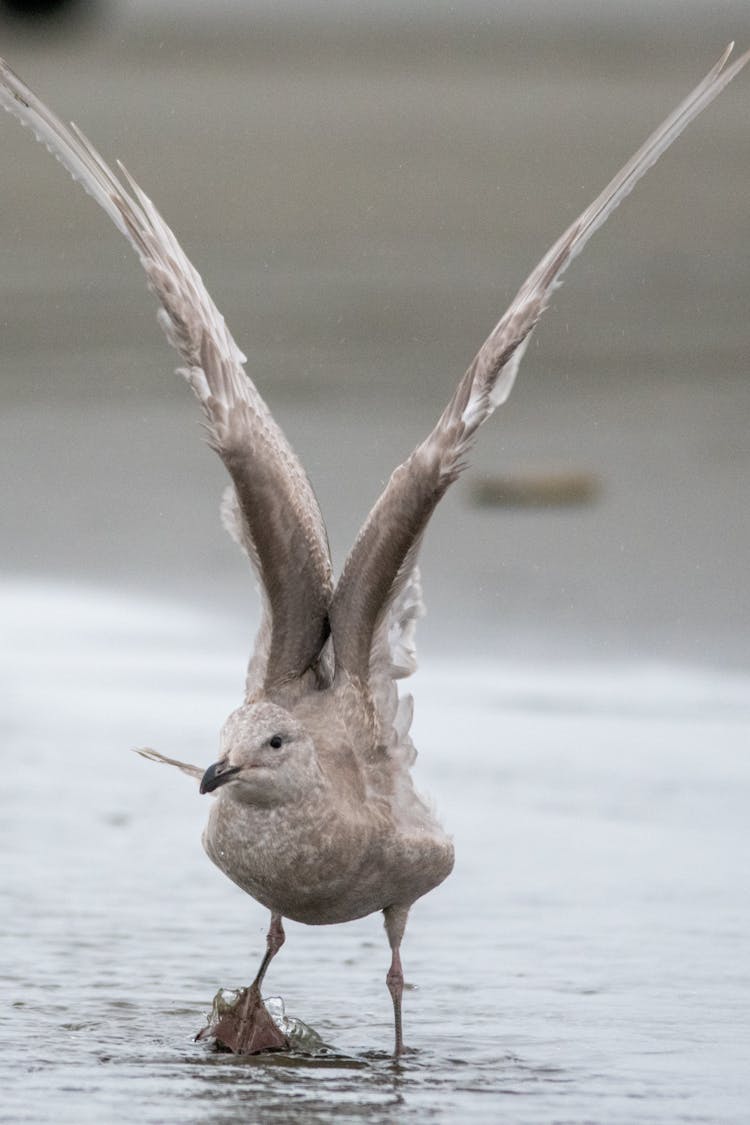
(727, 73)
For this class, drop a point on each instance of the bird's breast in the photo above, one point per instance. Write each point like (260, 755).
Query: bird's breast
(318, 868)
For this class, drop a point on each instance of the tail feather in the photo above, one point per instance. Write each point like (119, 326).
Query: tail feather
(155, 756)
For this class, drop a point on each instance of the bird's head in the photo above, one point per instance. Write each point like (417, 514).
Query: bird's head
(267, 757)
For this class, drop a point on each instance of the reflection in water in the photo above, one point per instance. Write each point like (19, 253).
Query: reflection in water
(588, 955)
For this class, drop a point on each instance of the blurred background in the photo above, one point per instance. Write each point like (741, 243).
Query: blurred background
(363, 188)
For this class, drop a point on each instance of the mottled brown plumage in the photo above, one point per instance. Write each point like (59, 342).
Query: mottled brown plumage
(315, 814)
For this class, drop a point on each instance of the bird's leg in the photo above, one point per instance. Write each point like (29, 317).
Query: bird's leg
(395, 982)
(395, 924)
(275, 938)
(247, 1028)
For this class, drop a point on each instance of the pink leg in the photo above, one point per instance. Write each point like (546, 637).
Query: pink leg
(395, 982)
(275, 938)
(395, 924)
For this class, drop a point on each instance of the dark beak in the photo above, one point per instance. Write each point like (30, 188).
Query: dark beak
(217, 774)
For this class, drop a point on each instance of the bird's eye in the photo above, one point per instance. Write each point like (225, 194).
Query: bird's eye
(275, 742)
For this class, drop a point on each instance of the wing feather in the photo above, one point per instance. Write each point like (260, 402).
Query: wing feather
(385, 549)
(281, 524)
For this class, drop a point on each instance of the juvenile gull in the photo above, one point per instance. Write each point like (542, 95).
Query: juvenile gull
(315, 814)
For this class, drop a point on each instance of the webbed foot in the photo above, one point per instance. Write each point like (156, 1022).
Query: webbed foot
(244, 1026)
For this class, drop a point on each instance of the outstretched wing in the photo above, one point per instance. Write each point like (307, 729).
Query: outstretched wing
(383, 556)
(278, 518)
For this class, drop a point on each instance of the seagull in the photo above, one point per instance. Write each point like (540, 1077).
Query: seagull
(315, 812)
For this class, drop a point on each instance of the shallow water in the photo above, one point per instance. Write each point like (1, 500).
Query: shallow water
(587, 960)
